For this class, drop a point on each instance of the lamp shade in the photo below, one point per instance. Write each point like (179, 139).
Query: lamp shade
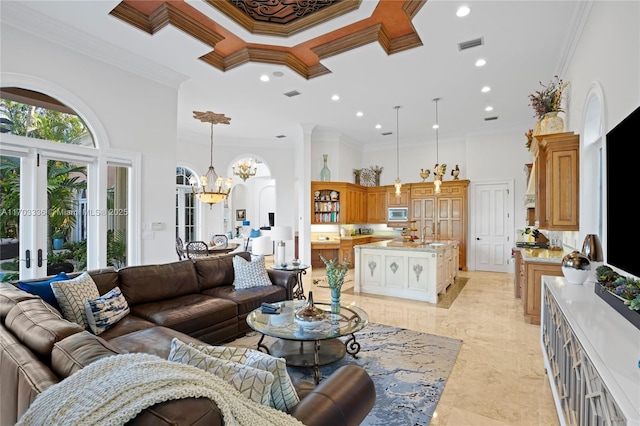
(592, 248)
(281, 233)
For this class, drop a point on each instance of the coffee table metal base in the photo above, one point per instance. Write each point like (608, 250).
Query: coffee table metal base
(311, 353)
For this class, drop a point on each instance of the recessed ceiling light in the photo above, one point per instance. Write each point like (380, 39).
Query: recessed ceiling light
(463, 11)
(486, 89)
(264, 77)
(435, 126)
(278, 73)
(489, 108)
(378, 126)
(359, 114)
(480, 62)
(335, 98)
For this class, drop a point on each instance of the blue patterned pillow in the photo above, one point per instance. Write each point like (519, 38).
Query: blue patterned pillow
(43, 289)
(249, 274)
(104, 311)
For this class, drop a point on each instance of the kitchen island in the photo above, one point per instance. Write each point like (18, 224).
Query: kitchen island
(411, 270)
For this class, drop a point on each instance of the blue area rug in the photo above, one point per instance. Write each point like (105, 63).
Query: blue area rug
(409, 370)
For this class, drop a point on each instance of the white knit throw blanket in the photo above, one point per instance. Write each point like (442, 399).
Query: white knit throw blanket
(113, 390)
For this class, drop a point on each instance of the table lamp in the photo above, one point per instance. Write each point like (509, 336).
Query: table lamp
(280, 234)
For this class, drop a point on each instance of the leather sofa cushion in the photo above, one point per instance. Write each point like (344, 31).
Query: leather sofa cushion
(10, 295)
(155, 341)
(128, 324)
(151, 283)
(217, 271)
(188, 314)
(38, 326)
(106, 279)
(24, 376)
(249, 299)
(77, 351)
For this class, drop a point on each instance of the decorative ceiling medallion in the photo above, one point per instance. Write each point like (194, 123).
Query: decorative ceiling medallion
(282, 17)
(389, 24)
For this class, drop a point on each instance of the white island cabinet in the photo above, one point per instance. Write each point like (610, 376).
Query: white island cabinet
(418, 271)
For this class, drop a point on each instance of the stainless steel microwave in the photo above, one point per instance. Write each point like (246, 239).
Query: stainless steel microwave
(398, 214)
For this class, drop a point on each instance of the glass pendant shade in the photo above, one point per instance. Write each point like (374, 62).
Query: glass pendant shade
(437, 182)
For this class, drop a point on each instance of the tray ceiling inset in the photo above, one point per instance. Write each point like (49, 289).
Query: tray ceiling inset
(389, 24)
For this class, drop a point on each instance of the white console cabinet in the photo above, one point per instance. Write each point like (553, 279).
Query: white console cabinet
(591, 354)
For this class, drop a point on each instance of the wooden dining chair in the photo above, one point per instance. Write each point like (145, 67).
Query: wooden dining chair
(196, 249)
(220, 241)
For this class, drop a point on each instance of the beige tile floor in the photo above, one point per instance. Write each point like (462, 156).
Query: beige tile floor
(498, 377)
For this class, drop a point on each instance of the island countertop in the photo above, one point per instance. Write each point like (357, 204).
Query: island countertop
(396, 244)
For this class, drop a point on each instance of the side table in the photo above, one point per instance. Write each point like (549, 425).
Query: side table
(299, 271)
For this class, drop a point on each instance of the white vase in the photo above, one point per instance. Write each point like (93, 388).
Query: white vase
(550, 124)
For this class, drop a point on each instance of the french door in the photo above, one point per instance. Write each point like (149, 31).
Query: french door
(53, 197)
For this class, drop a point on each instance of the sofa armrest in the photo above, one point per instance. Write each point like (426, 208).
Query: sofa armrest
(284, 279)
(344, 398)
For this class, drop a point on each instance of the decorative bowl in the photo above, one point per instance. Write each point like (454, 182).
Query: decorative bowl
(576, 267)
(295, 263)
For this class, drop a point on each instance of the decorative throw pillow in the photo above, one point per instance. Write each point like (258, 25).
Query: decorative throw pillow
(71, 295)
(249, 274)
(43, 289)
(283, 394)
(253, 383)
(105, 311)
(224, 352)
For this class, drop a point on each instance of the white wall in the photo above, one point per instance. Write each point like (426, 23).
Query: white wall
(139, 115)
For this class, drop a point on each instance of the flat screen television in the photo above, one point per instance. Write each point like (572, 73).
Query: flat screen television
(621, 250)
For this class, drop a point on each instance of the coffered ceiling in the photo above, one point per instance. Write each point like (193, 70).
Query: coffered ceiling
(374, 54)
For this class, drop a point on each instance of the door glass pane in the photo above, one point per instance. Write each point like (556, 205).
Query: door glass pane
(67, 218)
(118, 210)
(9, 217)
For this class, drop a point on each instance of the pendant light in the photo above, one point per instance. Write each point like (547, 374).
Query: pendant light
(213, 188)
(438, 169)
(398, 184)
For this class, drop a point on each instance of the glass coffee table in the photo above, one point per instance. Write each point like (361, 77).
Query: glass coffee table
(309, 346)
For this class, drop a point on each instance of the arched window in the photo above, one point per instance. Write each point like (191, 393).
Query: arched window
(56, 210)
(187, 207)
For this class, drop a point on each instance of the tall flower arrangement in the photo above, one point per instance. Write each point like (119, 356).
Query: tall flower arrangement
(336, 273)
(549, 99)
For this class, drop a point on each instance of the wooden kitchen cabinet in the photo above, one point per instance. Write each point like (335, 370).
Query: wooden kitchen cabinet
(338, 202)
(356, 207)
(376, 204)
(519, 274)
(402, 200)
(327, 250)
(532, 285)
(557, 181)
(347, 251)
(442, 216)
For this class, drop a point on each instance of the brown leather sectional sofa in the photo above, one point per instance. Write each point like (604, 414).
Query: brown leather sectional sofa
(193, 301)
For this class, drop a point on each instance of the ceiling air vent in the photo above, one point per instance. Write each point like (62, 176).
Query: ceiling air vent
(470, 43)
(495, 117)
(387, 133)
(292, 93)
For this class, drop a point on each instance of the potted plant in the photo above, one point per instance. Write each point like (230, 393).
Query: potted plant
(58, 240)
